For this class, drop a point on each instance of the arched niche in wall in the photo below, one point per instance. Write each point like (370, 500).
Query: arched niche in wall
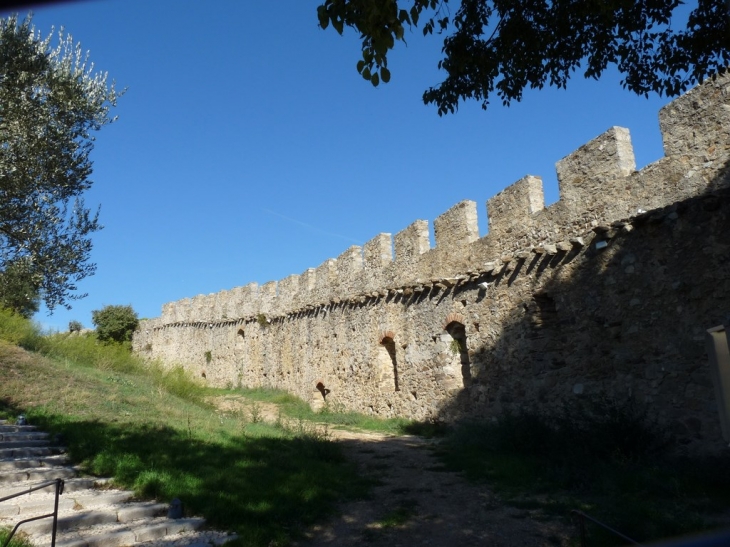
(240, 356)
(387, 363)
(457, 330)
(240, 338)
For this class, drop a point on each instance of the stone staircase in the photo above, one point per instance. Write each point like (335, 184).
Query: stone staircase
(91, 513)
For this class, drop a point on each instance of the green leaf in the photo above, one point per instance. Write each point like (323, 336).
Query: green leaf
(414, 15)
(385, 75)
(324, 20)
(375, 80)
(366, 74)
(360, 66)
(337, 25)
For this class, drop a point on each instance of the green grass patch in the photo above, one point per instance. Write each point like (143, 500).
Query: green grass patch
(333, 415)
(397, 517)
(263, 482)
(17, 541)
(602, 457)
(286, 401)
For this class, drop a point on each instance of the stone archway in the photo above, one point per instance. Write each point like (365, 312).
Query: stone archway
(240, 354)
(455, 327)
(387, 363)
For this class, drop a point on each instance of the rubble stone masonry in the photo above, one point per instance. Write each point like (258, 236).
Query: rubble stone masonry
(607, 291)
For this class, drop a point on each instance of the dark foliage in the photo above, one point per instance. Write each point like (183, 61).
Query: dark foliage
(75, 326)
(507, 46)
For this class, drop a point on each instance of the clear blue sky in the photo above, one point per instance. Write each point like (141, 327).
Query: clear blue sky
(248, 148)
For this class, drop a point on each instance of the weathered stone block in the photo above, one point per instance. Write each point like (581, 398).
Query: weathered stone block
(588, 177)
(378, 252)
(457, 226)
(514, 207)
(698, 122)
(411, 242)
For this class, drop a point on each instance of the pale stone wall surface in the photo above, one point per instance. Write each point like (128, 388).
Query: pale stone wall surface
(607, 291)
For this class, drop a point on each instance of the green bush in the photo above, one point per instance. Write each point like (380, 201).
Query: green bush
(75, 326)
(16, 329)
(115, 323)
(176, 381)
(87, 350)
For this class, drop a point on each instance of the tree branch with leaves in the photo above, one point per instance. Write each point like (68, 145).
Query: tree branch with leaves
(507, 46)
(51, 102)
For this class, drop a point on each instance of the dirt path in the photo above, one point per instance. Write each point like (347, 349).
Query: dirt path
(416, 501)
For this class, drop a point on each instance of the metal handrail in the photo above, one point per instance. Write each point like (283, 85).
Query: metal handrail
(582, 523)
(59, 490)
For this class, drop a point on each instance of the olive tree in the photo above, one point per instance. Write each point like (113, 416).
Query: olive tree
(19, 288)
(51, 102)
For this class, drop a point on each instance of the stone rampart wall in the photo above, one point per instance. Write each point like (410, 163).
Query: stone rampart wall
(609, 290)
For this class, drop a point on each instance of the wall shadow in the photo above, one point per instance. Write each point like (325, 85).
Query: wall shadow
(625, 321)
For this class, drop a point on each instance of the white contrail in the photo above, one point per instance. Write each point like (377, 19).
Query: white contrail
(310, 226)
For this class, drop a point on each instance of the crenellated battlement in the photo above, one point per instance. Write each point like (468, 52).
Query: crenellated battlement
(596, 170)
(515, 207)
(598, 184)
(457, 226)
(607, 291)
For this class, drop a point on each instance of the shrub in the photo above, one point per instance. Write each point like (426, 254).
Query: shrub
(16, 329)
(86, 350)
(115, 323)
(75, 326)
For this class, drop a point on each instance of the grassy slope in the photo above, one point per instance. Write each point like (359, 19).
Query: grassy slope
(259, 480)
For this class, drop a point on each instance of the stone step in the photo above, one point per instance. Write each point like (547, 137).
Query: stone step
(24, 444)
(38, 474)
(8, 453)
(141, 510)
(116, 535)
(23, 436)
(12, 427)
(67, 503)
(71, 485)
(88, 515)
(107, 515)
(30, 462)
(201, 538)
